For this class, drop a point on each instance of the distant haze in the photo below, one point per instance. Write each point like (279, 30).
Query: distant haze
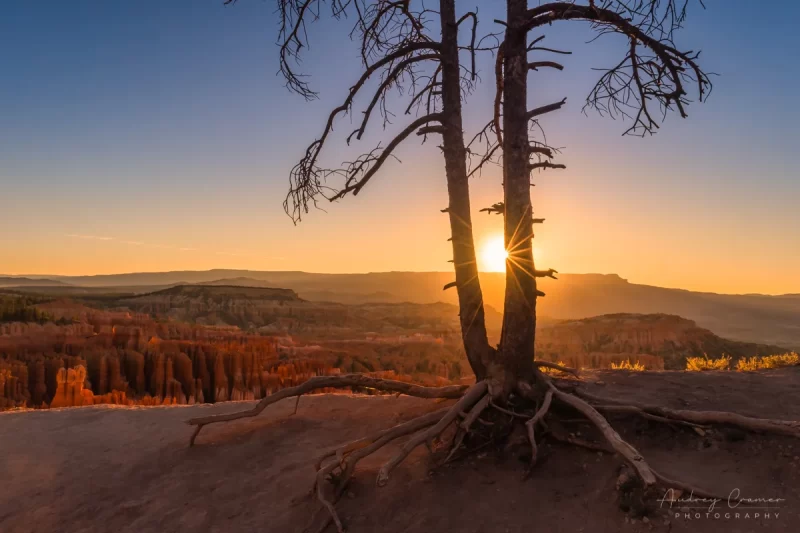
(752, 318)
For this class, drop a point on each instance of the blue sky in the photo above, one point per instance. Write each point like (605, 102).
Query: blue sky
(163, 128)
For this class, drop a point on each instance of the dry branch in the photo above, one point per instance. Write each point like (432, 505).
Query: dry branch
(545, 109)
(545, 165)
(536, 65)
(637, 80)
(549, 273)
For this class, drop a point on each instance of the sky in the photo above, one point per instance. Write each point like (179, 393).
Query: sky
(151, 136)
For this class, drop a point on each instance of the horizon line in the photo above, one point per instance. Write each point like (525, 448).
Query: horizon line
(55, 277)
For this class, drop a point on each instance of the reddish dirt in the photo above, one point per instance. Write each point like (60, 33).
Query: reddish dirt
(112, 469)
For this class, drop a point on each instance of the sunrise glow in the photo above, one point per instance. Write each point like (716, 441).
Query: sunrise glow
(493, 255)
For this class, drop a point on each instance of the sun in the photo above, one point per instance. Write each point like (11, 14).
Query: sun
(493, 255)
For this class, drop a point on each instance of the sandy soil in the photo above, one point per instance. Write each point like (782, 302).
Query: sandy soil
(129, 469)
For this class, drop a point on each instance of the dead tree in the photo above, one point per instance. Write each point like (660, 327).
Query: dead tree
(398, 50)
(653, 73)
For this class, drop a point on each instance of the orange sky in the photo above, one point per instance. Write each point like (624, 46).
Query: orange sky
(358, 235)
(120, 153)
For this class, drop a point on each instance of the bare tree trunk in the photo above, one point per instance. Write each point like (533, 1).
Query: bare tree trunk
(519, 317)
(470, 297)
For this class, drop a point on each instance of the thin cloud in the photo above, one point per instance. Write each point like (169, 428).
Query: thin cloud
(235, 254)
(90, 237)
(232, 253)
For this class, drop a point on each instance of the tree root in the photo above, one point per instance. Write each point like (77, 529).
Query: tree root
(628, 452)
(417, 423)
(466, 424)
(645, 414)
(531, 424)
(360, 449)
(339, 382)
(469, 399)
(508, 412)
(705, 418)
(472, 404)
(581, 443)
(350, 454)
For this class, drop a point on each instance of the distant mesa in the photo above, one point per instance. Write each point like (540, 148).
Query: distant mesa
(225, 291)
(14, 282)
(240, 282)
(753, 318)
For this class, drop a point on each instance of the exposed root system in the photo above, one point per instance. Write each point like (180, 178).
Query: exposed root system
(531, 406)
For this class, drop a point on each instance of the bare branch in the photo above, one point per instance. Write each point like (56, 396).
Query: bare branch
(545, 165)
(431, 129)
(359, 172)
(307, 179)
(543, 150)
(552, 50)
(536, 65)
(639, 79)
(498, 209)
(549, 273)
(545, 109)
(474, 16)
(498, 96)
(391, 78)
(491, 147)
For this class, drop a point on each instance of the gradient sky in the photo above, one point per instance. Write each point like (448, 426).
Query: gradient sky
(149, 135)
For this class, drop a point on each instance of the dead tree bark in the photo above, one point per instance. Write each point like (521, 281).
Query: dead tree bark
(515, 353)
(470, 296)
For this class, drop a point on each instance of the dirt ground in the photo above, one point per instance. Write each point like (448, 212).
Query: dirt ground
(129, 469)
